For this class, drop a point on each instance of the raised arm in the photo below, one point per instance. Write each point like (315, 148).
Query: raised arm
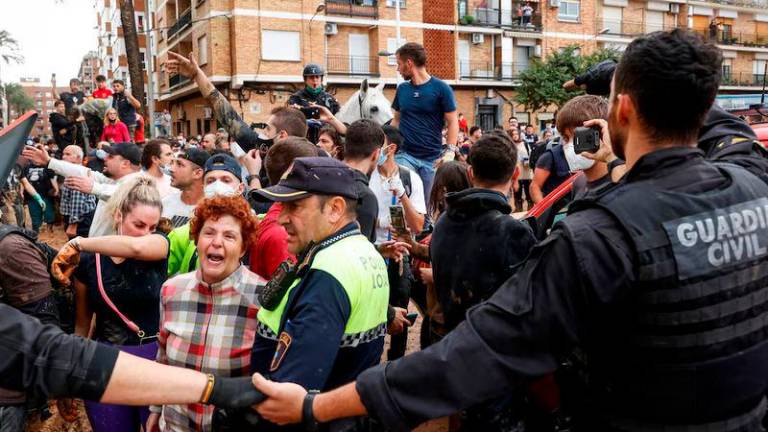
(222, 109)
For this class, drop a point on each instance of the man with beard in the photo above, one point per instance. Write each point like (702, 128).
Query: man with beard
(650, 281)
(186, 176)
(122, 162)
(61, 127)
(72, 98)
(422, 105)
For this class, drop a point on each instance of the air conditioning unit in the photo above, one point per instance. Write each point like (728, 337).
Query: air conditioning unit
(674, 8)
(554, 3)
(477, 38)
(331, 29)
(207, 113)
(180, 114)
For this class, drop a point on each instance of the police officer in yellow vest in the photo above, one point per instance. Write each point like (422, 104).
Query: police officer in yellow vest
(322, 321)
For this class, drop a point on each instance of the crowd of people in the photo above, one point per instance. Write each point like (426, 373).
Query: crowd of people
(196, 265)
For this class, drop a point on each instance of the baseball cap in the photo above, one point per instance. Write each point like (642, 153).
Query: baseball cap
(129, 151)
(196, 156)
(223, 162)
(312, 176)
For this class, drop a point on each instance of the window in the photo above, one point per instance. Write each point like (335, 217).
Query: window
(392, 47)
(390, 3)
(568, 11)
(143, 59)
(49, 103)
(612, 19)
(280, 45)
(202, 49)
(758, 70)
(38, 94)
(727, 69)
(140, 22)
(47, 94)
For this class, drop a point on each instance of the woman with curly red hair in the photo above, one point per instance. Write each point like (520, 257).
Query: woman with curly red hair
(208, 317)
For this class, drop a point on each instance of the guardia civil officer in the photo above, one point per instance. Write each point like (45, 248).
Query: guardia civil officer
(313, 91)
(660, 282)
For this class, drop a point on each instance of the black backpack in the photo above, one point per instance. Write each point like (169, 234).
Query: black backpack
(63, 296)
(539, 148)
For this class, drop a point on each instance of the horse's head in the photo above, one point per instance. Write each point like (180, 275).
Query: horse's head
(367, 103)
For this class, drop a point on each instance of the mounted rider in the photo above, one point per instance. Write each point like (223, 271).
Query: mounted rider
(314, 90)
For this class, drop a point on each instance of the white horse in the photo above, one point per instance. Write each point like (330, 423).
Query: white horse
(367, 103)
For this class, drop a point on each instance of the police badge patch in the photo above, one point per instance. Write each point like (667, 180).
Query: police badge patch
(282, 348)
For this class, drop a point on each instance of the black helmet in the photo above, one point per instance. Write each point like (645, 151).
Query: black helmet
(313, 70)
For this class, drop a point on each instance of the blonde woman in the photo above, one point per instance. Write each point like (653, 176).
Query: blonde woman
(115, 131)
(118, 280)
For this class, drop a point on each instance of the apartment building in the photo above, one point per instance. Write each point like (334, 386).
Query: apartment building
(111, 54)
(89, 69)
(254, 51)
(41, 93)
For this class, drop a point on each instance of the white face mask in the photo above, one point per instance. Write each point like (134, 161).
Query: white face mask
(219, 188)
(576, 162)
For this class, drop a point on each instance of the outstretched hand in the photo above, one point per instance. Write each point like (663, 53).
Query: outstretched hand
(284, 400)
(178, 64)
(37, 154)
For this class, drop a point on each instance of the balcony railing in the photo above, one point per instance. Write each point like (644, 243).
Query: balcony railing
(352, 65)
(177, 81)
(742, 79)
(632, 28)
(502, 18)
(184, 20)
(358, 8)
(491, 71)
(758, 4)
(735, 38)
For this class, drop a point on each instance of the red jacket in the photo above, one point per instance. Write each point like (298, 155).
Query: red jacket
(100, 93)
(117, 132)
(271, 246)
(138, 134)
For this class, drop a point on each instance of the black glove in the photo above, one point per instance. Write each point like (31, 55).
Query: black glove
(235, 393)
(597, 78)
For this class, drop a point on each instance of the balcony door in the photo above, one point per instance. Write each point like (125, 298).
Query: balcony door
(359, 54)
(464, 66)
(654, 21)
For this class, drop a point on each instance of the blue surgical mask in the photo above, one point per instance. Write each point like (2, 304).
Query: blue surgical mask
(382, 158)
(165, 169)
(101, 154)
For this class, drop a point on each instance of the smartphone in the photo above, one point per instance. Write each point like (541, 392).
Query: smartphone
(397, 218)
(411, 317)
(311, 113)
(586, 140)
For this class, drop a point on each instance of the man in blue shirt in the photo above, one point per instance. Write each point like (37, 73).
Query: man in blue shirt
(422, 105)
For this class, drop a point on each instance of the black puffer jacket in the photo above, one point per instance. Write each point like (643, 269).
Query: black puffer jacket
(475, 247)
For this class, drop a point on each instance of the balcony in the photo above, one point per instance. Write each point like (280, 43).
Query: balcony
(734, 38)
(489, 17)
(755, 4)
(177, 80)
(491, 71)
(184, 20)
(632, 28)
(352, 8)
(353, 66)
(742, 79)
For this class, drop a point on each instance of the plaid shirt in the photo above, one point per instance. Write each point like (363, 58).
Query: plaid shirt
(208, 328)
(75, 204)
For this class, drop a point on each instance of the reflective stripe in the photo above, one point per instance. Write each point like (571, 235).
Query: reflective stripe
(752, 418)
(264, 331)
(722, 334)
(353, 340)
(708, 313)
(706, 288)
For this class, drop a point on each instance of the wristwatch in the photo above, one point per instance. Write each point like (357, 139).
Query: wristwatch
(308, 419)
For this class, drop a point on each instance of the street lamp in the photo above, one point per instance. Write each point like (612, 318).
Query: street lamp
(320, 8)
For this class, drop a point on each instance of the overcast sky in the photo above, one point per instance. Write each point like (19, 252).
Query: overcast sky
(53, 37)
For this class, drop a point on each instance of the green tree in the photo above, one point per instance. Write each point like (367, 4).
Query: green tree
(17, 99)
(9, 52)
(542, 84)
